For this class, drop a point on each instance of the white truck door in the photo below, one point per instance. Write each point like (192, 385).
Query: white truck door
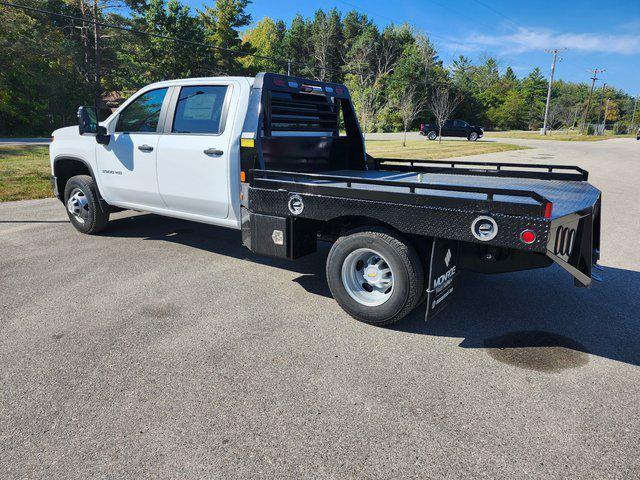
(127, 165)
(193, 153)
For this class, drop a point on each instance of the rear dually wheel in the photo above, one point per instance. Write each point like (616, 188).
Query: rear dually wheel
(375, 275)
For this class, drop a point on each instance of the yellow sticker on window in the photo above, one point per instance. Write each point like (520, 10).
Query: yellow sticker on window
(247, 142)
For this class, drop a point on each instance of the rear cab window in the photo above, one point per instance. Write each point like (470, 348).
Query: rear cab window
(200, 109)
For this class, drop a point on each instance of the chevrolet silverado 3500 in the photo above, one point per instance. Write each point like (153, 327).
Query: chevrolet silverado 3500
(282, 160)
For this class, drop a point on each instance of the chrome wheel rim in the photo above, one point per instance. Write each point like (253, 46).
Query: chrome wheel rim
(473, 136)
(78, 205)
(367, 277)
(432, 136)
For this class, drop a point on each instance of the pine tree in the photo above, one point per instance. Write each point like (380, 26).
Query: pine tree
(297, 47)
(221, 24)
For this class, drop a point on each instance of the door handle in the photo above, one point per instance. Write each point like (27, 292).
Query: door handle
(145, 148)
(213, 151)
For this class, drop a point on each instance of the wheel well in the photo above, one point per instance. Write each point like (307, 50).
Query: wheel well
(65, 168)
(336, 227)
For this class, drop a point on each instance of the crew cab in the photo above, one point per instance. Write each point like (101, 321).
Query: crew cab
(282, 160)
(452, 128)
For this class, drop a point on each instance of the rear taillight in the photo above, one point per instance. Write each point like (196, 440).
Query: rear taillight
(528, 236)
(548, 208)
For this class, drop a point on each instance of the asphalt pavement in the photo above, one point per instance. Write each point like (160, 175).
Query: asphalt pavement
(164, 349)
(24, 141)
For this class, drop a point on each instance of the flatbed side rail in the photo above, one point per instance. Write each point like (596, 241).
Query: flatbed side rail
(498, 169)
(266, 177)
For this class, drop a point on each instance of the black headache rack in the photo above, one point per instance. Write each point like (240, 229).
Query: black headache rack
(493, 169)
(300, 124)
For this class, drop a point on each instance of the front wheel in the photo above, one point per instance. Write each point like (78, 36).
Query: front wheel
(375, 275)
(83, 205)
(473, 136)
(432, 135)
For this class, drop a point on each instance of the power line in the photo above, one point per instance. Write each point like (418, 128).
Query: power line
(286, 62)
(140, 32)
(488, 7)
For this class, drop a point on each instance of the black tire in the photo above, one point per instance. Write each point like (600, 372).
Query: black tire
(432, 135)
(92, 218)
(473, 136)
(408, 275)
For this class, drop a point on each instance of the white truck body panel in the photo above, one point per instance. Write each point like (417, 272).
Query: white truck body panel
(175, 177)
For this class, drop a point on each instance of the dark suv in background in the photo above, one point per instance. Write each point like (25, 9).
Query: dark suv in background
(452, 128)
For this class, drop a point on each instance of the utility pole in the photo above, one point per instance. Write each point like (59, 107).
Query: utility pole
(553, 69)
(288, 67)
(593, 84)
(633, 116)
(96, 39)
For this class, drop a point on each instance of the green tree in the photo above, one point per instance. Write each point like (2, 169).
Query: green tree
(534, 90)
(221, 25)
(297, 47)
(266, 40)
(513, 113)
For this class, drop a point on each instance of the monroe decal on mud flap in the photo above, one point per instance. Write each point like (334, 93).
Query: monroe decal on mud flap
(442, 273)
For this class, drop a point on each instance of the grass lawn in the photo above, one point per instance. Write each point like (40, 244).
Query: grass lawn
(432, 150)
(555, 135)
(24, 172)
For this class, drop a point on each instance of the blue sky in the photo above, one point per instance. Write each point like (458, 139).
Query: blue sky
(595, 33)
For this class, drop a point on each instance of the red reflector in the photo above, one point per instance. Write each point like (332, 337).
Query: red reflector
(339, 90)
(547, 210)
(280, 82)
(528, 236)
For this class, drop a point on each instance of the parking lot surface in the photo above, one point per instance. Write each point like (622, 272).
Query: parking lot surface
(164, 349)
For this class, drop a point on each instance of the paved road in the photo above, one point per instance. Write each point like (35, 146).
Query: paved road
(24, 141)
(163, 349)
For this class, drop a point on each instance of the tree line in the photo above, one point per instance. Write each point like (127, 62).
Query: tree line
(51, 64)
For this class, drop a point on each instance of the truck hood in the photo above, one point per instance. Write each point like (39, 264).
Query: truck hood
(66, 132)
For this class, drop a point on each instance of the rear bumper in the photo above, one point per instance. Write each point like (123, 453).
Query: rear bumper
(574, 243)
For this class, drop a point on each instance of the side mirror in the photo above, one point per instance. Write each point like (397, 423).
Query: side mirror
(88, 125)
(87, 121)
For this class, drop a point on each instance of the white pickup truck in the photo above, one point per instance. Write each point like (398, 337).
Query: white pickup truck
(282, 160)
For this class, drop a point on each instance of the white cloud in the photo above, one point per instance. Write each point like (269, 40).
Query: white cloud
(529, 39)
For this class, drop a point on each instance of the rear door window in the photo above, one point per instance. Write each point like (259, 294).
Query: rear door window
(143, 113)
(200, 110)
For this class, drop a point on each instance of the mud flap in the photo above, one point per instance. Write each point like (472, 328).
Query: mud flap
(443, 270)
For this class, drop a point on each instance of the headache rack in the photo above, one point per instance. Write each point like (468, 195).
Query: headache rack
(301, 112)
(498, 169)
(312, 183)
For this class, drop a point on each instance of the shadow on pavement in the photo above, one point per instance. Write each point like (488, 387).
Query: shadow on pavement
(538, 320)
(534, 319)
(223, 241)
